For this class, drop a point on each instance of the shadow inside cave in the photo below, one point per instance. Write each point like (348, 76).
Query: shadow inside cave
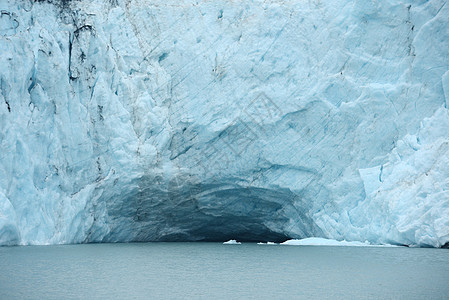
(188, 210)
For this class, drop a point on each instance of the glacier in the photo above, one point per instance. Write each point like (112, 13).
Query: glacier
(149, 120)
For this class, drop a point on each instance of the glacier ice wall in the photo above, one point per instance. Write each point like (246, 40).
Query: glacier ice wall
(149, 120)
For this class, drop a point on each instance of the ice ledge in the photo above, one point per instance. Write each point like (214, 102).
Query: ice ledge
(315, 241)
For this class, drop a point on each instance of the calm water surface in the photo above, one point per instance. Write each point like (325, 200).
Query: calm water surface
(212, 270)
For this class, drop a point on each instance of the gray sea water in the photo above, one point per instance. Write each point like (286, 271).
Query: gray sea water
(213, 270)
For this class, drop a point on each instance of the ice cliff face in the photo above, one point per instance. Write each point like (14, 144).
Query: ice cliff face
(149, 120)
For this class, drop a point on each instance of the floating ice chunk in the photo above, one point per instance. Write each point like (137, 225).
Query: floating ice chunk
(267, 243)
(231, 242)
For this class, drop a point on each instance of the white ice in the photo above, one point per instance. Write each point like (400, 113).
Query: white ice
(329, 242)
(232, 242)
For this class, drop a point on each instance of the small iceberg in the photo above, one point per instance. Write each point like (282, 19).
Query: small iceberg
(231, 242)
(267, 243)
(328, 242)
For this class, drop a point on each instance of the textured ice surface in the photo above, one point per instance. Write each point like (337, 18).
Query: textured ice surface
(182, 120)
